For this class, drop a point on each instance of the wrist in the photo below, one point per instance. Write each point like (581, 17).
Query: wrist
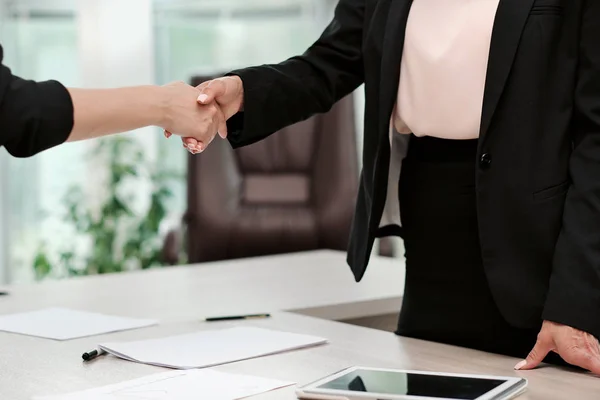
(240, 96)
(160, 109)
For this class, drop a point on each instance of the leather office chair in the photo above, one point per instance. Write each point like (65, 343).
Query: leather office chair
(293, 191)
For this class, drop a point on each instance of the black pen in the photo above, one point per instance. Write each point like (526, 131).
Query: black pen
(90, 355)
(237, 317)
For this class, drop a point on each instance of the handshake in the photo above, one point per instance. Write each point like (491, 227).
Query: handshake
(198, 114)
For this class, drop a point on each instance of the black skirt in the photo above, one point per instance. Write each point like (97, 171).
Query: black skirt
(447, 298)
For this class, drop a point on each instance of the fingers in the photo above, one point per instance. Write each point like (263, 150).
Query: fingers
(584, 359)
(576, 347)
(192, 145)
(543, 346)
(211, 91)
(199, 123)
(222, 131)
(218, 125)
(201, 86)
(190, 142)
(594, 366)
(582, 351)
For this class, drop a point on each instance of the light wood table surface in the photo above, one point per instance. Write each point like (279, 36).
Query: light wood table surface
(315, 283)
(31, 366)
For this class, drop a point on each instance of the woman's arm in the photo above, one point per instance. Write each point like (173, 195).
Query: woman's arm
(574, 293)
(101, 112)
(104, 112)
(278, 95)
(35, 116)
(571, 313)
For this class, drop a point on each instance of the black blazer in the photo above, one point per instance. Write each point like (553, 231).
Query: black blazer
(538, 184)
(33, 116)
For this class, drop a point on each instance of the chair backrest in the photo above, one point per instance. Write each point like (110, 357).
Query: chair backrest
(293, 191)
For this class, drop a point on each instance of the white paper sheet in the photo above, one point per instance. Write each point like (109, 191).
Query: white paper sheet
(180, 385)
(210, 348)
(65, 324)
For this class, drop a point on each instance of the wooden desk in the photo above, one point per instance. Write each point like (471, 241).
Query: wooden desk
(31, 366)
(315, 283)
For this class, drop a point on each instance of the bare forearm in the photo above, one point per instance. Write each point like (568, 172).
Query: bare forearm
(101, 112)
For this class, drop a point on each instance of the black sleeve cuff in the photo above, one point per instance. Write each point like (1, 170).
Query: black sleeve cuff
(573, 307)
(235, 129)
(42, 117)
(250, 126)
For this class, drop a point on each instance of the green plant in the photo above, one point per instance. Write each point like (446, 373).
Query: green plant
(117, 238)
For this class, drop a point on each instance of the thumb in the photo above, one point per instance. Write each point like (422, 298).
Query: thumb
(536, 356)
(213, 90)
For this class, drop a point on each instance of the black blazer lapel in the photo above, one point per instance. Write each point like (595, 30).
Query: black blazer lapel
(393, 44)
(510, 21)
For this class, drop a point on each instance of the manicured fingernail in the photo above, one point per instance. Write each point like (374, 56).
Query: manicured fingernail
(202, 98)
(520, 365)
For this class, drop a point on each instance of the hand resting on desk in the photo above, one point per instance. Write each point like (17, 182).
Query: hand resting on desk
(574, 346)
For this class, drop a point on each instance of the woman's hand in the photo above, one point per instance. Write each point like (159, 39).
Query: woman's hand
(226, 94)
(574, 346)
(185, 116)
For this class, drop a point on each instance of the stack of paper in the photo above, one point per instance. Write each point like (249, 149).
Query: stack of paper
(209, 348)
(64, 324)
(180, 385)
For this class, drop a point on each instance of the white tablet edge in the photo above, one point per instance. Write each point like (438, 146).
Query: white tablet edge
(513, 386)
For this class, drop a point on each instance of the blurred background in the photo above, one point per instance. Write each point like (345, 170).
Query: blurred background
(108, 206)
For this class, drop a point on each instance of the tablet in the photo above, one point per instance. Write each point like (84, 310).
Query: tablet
(360, 383)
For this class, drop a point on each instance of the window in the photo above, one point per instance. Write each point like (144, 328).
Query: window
(208, 37)
(107, 43)
(39, 44)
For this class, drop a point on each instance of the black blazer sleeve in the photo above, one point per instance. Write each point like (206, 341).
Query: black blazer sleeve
(33, 116)
(574, 294)
(279, 95)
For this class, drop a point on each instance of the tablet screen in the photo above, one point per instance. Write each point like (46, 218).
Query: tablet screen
(413, 384)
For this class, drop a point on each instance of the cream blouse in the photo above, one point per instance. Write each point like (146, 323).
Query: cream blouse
(444, 68)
